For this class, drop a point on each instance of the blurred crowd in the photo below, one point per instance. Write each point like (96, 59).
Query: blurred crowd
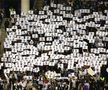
(39, 81)
(79, 80)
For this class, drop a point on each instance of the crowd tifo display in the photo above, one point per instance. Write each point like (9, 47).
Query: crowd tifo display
(54, 36)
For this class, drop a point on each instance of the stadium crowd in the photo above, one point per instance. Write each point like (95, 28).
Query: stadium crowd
(56, 48)
(20, 81)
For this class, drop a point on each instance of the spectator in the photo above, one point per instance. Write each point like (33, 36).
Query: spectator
(28, 85)
(6, 24)
(86, 85)
(12, 79)
(80, 86)
(35, 84)
(1, 84)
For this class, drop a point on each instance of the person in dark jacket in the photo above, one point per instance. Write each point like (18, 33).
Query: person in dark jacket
(6, 24)
(1, 84)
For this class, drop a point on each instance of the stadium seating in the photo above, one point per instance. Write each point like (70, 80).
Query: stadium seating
(56, 34)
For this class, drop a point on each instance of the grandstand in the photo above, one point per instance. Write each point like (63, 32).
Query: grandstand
(57, 42)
